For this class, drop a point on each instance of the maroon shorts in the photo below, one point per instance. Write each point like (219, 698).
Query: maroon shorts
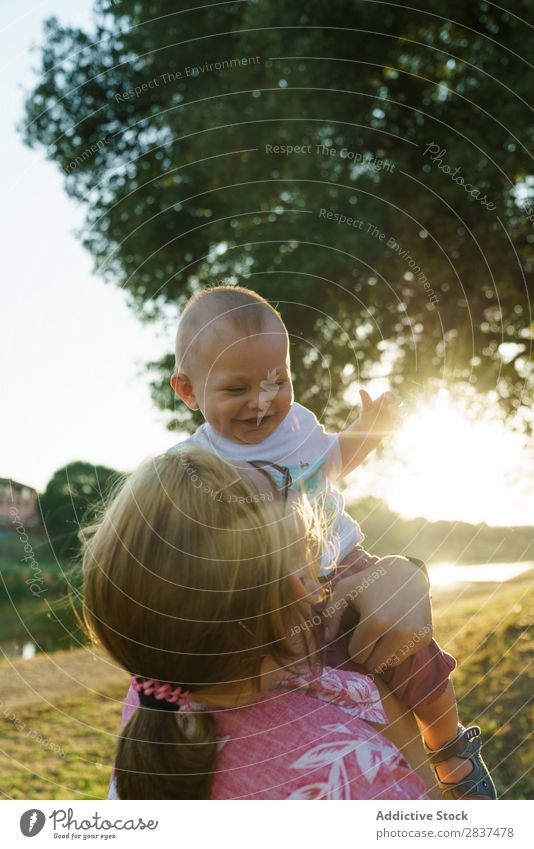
(418, 680)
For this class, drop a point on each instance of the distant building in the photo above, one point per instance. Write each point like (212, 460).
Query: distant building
(22, 498)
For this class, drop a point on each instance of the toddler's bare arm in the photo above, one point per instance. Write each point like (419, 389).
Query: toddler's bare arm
(377, 419)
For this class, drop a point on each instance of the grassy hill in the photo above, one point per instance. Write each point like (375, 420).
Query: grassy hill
(488, 628)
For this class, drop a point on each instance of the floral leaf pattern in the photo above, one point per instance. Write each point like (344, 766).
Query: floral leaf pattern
(357, 693)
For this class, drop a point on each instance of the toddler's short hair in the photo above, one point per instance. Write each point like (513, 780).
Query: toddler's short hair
(242, 308)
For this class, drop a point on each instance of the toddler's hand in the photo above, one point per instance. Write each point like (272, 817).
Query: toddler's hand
(382, 416)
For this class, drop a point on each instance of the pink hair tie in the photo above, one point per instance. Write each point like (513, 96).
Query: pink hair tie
(159, 695)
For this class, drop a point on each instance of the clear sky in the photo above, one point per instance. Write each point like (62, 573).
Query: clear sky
(73, 386)
(72, 350)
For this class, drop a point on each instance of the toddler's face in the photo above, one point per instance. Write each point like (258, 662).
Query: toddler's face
(243, 385)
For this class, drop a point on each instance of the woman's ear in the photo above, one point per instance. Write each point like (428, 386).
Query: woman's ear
(184, 389)
(296, 585)
(306, 589)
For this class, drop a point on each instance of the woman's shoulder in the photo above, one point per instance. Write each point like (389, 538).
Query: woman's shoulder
(310, 739)
(355, 693)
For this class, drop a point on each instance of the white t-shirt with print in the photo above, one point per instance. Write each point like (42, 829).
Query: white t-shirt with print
(313, 457)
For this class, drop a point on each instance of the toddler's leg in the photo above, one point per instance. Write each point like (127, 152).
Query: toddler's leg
(422, 681)
(439, 719)
(439, 723)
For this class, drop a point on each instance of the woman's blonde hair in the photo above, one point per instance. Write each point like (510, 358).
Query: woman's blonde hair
(185, 581)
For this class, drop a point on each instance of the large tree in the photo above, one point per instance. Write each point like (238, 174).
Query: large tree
(73, 497)
(228, 141)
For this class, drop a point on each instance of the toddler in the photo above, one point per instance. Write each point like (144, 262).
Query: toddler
(232, 364)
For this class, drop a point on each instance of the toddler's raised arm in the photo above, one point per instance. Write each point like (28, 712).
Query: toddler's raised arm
(377, 419)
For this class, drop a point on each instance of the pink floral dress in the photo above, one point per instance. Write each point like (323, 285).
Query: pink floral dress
(308, 739)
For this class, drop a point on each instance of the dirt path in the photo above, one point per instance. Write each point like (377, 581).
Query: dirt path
(60, 676)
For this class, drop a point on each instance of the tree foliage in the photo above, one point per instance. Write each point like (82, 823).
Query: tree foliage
(72, 498)
(172, 126)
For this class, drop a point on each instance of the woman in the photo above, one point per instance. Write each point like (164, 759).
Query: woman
(199, 584)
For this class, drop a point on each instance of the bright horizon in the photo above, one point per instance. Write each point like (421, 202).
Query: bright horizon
(72, 378)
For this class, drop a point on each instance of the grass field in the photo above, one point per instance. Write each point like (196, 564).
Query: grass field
(485, 626)
(490, 632)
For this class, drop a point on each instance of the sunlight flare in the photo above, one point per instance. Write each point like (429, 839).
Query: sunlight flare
(449, 462)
